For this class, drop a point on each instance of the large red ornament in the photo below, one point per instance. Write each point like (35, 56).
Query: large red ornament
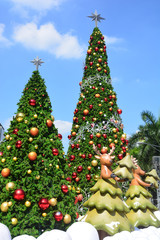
(64, 188)
(85, 112)
(83, 156)
(32, 156)
(79, 169)
(74, 175)
(55, 151)
(88, 177)
(15, 131)
(59, 136)
(34, 131)
(58, 216)
(5, 172)
(119, 111)
(19, 194)
(43, 203)
(32, 102)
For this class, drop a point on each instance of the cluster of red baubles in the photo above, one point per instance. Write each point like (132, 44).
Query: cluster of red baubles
(43, 203)
(15, 131)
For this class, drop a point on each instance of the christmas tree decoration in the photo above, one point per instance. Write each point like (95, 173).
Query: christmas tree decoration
(31, 173)
(4, 207)
(5, 172)
(49, 123)
(19, 194)
(67, 219)
(43, 203)
(141, 212)
(58, 216)
(34, 131)
(32, 156)
(64, 188)
(10, 186)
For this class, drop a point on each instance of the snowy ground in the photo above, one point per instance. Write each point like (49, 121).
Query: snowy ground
(85, 231)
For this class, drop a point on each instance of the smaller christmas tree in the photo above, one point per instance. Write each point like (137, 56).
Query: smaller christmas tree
(152, 177)
(124, 169)
(107, 211)
(138, 200)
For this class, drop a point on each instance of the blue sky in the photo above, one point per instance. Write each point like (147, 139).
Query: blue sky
(58, 32)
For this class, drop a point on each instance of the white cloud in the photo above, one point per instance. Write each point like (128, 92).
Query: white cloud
(112, 40)
(3, 40)
(63, 126)
(39, 5)
(47, 38)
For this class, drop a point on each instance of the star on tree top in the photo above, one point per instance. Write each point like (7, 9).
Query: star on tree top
(96, 17)
(37, 61)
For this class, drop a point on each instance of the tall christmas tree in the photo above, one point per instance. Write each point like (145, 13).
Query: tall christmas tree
(96, 117)
(34, 194)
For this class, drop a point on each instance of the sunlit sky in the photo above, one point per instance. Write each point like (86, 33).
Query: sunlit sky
(58, 32)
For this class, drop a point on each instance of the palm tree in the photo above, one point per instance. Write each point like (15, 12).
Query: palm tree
(146, 141)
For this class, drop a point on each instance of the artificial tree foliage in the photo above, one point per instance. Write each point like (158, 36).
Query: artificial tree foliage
(96, 119)
(34, 193)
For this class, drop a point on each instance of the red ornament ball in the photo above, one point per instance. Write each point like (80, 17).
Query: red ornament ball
(19, 194)
(32, 102)
(72, 146)
(1, 153)
(105, 99)
(104, 135)
(55, 151)
(91, 63)
(74, 175)
(83, 118)
(88, 177)
(127, 142)
(91, 136)
(43, 203)
(123, 140)
(83, 156)
(119, 111)
(68, 179)
(72, 157)
(15, 131)
(64, 188)
(59, 136)
(123, 149)
(58, 216)
(69, 136)
(77, 145)
(91, 106)
(79, 169)
(89, 155)
(99, 145)
(77, 215)
(19, 144)
(85, 67)
(96, 49)
(120, 156)
(49, 123)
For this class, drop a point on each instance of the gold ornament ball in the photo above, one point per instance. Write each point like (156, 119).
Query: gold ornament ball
(96, 88)
(94, 163)
(45, 169)
(27, 131)
(5, 172)
(100, 113)
(99, 104)
(38, 177)
(115, 135)
(110, 140)
(91, 142)
(44, 214)
(98, 135)
(78, 190)
(30, 139)
(53, 202)
(8, 147)
(32, 156)
(69, 187)
(97, 65)
(94, 53)
(15, 159)
(9, 203)
(73, 134)
(52, 118)
(73, 188)
(10, 138)
(124, 135)
(51, 139)
(67, 219)
(50, 164)
(20, 117)
(57, 166)
(36, 146)
(116, 141)
(7, 137)
(3, 160)
(29, 171)
(35, 116)
(97, 95)
(76, 126)
(25, 121)
(114, 130)
(4, 207)
(14, 221)
(27, 203)
(10, 185)
(96, 177)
